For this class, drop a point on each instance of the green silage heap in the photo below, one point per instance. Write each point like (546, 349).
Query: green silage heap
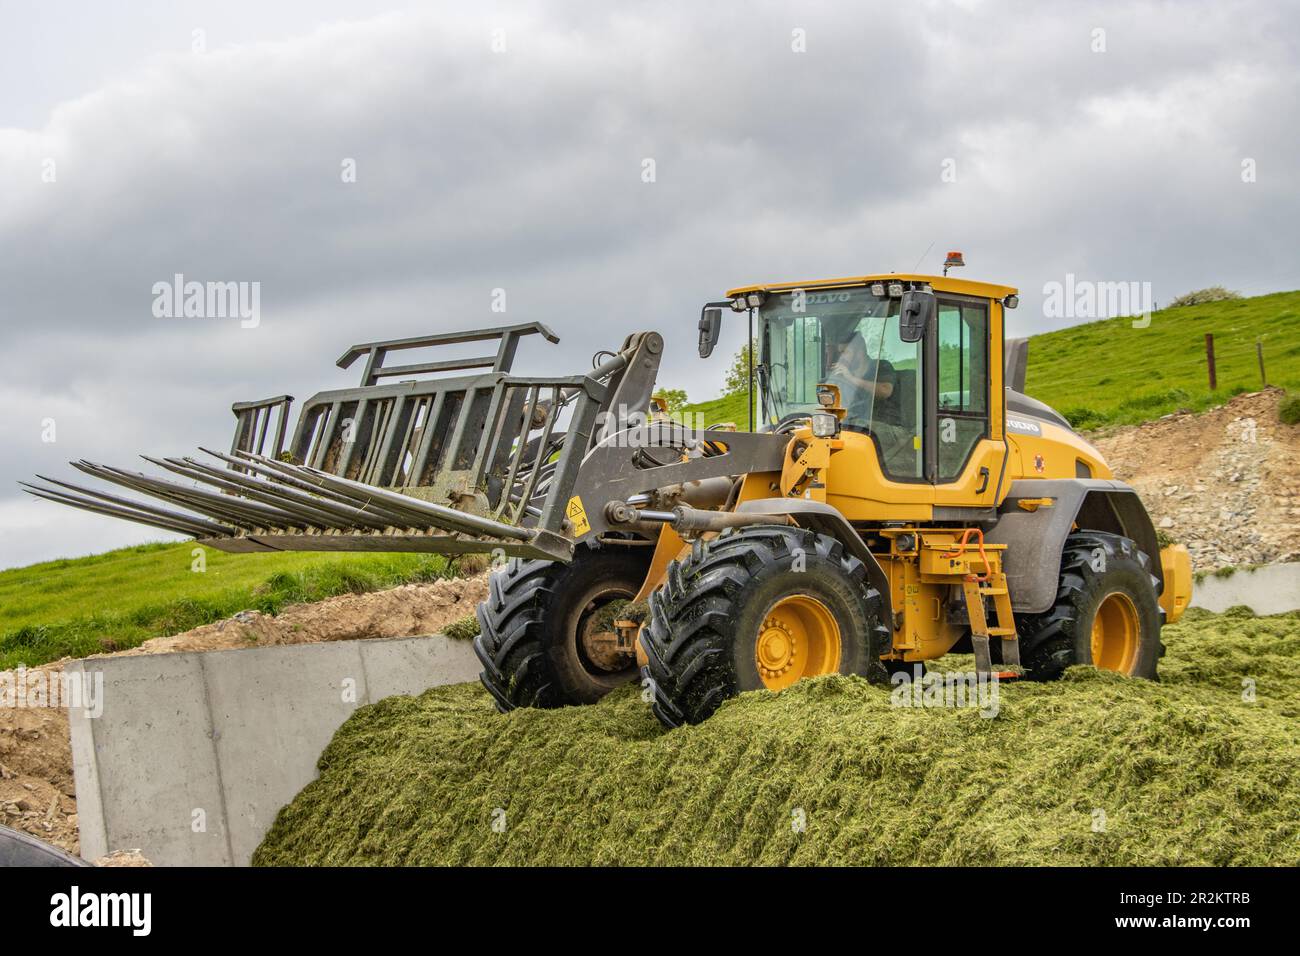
(1094, 769)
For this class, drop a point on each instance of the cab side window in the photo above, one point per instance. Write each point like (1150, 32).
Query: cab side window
(963, 383)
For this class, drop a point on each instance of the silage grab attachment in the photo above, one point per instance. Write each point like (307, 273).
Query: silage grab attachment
(451, 463)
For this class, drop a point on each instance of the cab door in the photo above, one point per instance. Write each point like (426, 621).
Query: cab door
(967, 450)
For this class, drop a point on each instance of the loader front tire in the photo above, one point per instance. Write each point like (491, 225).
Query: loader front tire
(533, 628)
(759, 607)
(1107, 612)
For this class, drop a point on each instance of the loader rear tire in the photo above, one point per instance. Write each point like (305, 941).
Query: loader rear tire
(529, 627)
(1107, 612)
(725, 608)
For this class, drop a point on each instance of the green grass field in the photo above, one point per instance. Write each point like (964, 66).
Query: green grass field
(1109, 373)
(728, 408)
(116, 600)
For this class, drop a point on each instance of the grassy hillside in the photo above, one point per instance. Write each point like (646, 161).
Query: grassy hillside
(1107, 372)
(728, 408)
(116, 600)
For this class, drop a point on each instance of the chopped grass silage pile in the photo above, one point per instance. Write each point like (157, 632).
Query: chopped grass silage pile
(1094, 769)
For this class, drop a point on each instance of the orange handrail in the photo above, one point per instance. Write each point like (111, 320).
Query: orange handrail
(963, 543)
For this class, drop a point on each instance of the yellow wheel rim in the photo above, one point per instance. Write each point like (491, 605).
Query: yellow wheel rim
(1115, 632)
(799, 638)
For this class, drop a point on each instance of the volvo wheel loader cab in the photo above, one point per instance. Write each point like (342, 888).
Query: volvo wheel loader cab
(898, 498)
(984, 522)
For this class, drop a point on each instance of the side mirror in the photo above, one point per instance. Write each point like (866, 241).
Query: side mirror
(710, 327)
(915, 314)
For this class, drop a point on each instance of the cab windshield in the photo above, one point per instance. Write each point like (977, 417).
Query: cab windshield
(849, 338)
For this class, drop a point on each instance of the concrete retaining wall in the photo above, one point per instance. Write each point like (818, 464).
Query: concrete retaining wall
(194, 754)
(1271, 589)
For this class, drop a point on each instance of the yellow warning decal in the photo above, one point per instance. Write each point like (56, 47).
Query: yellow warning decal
(577, 516)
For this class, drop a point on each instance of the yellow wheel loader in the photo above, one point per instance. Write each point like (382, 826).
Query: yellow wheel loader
(893, 496)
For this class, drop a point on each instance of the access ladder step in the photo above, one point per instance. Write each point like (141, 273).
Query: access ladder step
(976, 591)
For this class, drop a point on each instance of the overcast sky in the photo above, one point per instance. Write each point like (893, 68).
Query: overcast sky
(790, 141)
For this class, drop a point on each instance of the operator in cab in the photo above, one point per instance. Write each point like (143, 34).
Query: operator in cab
(867, 385)
(861, 378)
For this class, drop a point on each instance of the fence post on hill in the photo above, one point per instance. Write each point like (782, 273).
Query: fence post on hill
(1259, 351)
(1209, 358)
